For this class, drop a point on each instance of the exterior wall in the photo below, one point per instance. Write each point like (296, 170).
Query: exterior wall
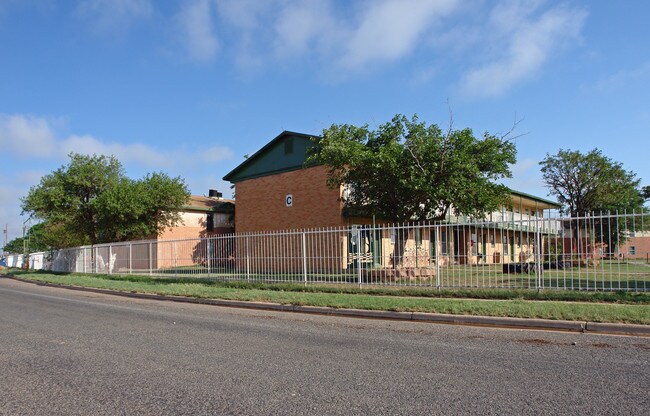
(641, 248)
(261, 202)
(189, 250)
(193, 225)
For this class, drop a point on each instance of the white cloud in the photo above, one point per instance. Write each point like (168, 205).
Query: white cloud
(302, 27)
(197, 27)
(527, 42)
(115, 15)
(26, 135)
(216, 154)
(624, 78)
(35, 137)
(390, 29)
(136, 152)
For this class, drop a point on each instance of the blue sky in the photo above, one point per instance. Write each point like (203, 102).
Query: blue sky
(190, 87)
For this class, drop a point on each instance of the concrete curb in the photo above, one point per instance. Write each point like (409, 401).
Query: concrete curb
(622, 329)
(437, 318)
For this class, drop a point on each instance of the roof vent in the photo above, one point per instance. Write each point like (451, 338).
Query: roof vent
(213, 193)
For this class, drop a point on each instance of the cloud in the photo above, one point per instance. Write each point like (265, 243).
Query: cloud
(35, 137)
(197, 29)
(136, 152)
(115, 15)
(302, 27)
(26, 135)
(390, 29)
(624, 78)
(527, 42)
(216, 154)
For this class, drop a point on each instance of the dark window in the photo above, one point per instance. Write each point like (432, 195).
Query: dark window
(444, 241)
(209, 223)
(288, 146)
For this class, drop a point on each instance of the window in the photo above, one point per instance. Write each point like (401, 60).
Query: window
(288, 146)
(209, 223)
(632, 250)
(444, 242)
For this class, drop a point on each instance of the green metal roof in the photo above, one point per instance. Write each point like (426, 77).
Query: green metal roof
(273, 158)
(534, 198)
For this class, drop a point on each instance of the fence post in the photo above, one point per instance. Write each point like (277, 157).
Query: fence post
(130, 258)
(110, 255)
(436, 233)
(175, 258)
(248, 262)
(150, 260)
(538, 259)
(304, 257)
(208, 244)
(359, 255)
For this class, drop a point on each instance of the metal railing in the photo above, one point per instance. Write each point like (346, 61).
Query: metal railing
(592, 252)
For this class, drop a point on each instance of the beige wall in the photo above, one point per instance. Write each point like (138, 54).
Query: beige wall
(189, 251)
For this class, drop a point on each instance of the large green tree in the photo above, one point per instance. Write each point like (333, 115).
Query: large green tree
(585, 183)
(645, 191)
(407, 170)
(90, 201)
(593, 183)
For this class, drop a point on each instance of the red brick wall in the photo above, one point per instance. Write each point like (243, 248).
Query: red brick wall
(641, 244)
(261, 204)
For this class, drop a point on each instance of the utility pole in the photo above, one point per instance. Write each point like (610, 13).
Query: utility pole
(26, 244)
(6, 230)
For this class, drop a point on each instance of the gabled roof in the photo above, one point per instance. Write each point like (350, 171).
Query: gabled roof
(273, 158)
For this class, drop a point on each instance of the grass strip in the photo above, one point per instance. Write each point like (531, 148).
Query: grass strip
(624, 297)
(516, 307)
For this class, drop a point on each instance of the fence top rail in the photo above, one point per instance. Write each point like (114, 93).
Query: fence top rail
(533, 223)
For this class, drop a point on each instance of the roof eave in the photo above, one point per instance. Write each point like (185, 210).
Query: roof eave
(229, 175)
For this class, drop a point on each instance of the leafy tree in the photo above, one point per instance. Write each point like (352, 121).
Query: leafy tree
(35, 237)
(65, 198)
(90, 201)
(591, 182)
(137, 209)
(645, 191)
(407, 170)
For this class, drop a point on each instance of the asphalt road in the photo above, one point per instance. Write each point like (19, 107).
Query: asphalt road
(69, 352)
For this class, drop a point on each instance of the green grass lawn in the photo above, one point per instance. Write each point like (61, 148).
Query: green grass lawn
(608, 275)
(622, 307)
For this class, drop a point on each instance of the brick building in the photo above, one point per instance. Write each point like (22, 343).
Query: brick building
(275, 190)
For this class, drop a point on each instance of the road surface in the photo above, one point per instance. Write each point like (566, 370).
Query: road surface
(69, 352)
